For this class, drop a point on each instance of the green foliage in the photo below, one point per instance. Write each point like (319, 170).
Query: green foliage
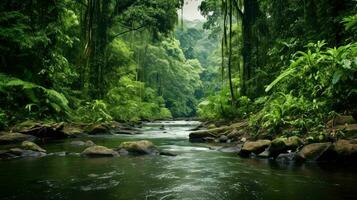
(97, 109)
(38, 101)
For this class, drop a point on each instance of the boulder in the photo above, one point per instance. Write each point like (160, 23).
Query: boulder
(255, 147)
(223, 139)
(197, 136)
(72, 130)
(9, 138)
(17, 152)
(41, 130)
(89, 143)
(314, 152)
(346, 149)
(99, 151)
(139, 147)
(27, 145)
(283, 145)
(97, 129)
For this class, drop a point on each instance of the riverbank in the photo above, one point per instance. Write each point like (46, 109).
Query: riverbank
(337, 143)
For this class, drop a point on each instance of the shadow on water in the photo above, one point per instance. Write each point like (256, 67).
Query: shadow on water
(196, 173)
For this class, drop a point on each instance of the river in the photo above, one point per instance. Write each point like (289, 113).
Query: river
(197, 172)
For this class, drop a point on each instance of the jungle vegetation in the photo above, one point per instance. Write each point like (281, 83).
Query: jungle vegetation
(280, 64)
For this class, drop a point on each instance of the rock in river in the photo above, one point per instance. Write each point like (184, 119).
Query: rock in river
(255, 147)
(314, 152)
(99, 151)
(139, 147)
(283, 145)
(9, 138)
(32, 146)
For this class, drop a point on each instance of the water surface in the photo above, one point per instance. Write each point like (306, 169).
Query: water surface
(198, 172)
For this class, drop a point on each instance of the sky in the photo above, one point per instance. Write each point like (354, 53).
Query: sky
(190, 10)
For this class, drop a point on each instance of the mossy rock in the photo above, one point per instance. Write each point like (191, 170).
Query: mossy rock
(99, 151)
(255, 147)
(32, 146)
(139, 147)
(9, 138)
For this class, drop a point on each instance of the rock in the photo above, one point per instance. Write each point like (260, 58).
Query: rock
(341, 120)
(286, 157)
(139, 147)
(346, 150)
(30, 153)
(72, 130)
(9, 138)
(234, 149)
(255, 147)
(209, 139)
(99, 151)
(314, 152)
(243, 139)
(162, 127)
(89, 143)
(17, 152)
(211, 126)
(223, 139)
(77, 143)
(32, 146)
(283, 145)
(197, 136)
(97, 129)
(167, 153)
(349, 130)
(264, 154)
(41, 130)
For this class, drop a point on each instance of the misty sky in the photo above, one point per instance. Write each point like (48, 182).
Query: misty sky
(190, 10)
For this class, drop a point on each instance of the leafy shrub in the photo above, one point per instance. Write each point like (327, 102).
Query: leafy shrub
(31, 100)
(94, 111)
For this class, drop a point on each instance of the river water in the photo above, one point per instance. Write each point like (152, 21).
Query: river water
(198, 172)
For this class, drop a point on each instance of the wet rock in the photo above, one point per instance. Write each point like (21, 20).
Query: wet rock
(17, 152)
(286, 157)
(99, 151)
(72, 130)
(283, 145)
(209, 139)
(32, 146)
(61, 154)
(167, 153)
(346, 149)
(223, 139)
(139, 147)
(97, 129)
(255, 147)
(41, 130)
(77, 143)
(9, 138)
(88, 143)
(234, 149)
(314, 152)
(264, 154)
